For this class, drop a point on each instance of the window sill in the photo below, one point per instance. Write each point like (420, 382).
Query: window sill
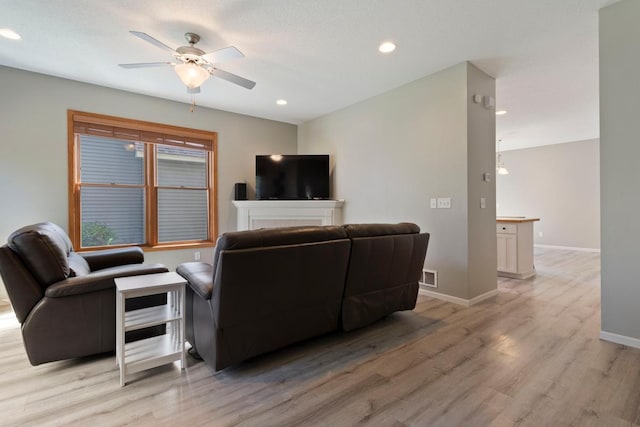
(147, 248)
(178, 246)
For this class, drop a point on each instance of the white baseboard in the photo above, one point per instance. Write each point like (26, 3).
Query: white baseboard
(570, 248)
(483, 297)
(459, 301)
(620, 339)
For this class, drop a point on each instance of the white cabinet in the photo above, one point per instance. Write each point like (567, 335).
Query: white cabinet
(515, 247)
(507, 253)
(148, 353)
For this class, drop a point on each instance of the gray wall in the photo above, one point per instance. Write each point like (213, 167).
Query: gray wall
(560, 184)
(481, 136)
(33, 150)
(393, 152)
(619, 170)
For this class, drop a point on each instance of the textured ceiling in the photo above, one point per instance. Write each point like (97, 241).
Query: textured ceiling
(321, 55)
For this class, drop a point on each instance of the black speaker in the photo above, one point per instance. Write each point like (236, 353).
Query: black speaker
(240, 191)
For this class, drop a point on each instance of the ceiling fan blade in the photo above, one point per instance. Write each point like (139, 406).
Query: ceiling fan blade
(146, 37)
(225, 75)
(146, 64)
(224, 54)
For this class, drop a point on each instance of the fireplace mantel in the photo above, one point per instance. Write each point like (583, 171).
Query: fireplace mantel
(254, 214)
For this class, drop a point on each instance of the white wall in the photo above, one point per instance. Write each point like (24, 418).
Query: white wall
(393, 152)
(33, 149)
(560, 184)
(619, 168)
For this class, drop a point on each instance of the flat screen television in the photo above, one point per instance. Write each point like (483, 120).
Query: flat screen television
(292, 177)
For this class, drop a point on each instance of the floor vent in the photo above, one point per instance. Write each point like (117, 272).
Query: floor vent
(429, 278)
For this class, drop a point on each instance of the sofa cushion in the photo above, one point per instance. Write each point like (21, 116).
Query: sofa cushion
(384, 268)
(200, 277)
(372, 230)
(265, 237)
(279, 236)
(44, 249)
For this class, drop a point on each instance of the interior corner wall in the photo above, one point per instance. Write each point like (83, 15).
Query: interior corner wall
(481, 136)
(33, 151)
(619, 170)
(560, 184)
(393, 152)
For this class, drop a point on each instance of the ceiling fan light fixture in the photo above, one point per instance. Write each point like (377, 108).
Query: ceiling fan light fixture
(191, 74)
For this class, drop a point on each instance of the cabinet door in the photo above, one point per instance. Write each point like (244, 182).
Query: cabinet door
(507, 253)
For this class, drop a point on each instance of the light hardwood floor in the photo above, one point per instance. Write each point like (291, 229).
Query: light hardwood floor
(530, 356)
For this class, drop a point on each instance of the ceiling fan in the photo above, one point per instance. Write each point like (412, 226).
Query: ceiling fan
(194, 66)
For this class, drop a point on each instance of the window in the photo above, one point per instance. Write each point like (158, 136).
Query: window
(139, 183)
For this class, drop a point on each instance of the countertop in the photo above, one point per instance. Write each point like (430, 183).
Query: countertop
(515, 219)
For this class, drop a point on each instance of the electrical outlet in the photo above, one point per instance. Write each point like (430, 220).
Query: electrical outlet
(444, 202)
(196, 255)
(483, 202)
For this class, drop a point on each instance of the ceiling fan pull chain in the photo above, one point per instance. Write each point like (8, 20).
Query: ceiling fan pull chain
(193, 104)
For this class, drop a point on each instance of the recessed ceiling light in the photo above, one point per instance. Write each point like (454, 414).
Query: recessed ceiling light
(281, 102)
(501, 112)
(387, 47)
(9, 34)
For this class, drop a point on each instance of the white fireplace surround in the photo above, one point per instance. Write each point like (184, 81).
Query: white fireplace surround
(253, 214)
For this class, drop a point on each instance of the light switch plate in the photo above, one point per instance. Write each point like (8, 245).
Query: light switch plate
(444, 202)
(434, 203)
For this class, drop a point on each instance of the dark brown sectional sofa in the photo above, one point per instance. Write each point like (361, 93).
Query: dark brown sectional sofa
(269, 288)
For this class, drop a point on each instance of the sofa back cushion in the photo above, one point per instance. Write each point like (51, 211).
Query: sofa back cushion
(44, 249)
(274, 287)
(373, 230)
(275, 237)
(384, 268)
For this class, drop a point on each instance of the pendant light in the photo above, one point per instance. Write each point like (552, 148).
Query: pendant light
(500, 168)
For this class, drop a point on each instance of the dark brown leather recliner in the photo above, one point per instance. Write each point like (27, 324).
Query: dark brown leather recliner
(384, 268)
(65, 301)
(267, 289)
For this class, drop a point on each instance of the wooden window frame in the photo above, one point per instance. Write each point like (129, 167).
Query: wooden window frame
(148, 132)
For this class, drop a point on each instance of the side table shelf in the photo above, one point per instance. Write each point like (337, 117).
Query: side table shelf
(152, 316)
(155, 351)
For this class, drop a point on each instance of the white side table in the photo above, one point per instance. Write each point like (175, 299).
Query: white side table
(148, 353)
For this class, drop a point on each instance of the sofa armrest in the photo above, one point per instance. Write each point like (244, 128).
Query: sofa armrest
(100, 280)
(99, 260)
(200, 277)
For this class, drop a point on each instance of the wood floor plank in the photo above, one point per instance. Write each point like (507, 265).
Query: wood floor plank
(530, 356)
